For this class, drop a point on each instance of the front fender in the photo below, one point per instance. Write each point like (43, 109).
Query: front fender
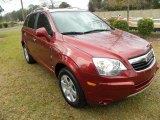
(73, 67)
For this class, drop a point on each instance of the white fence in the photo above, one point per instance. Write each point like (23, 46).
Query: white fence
(153, 13)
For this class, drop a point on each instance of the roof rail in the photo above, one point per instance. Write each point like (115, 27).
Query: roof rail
(40, 8)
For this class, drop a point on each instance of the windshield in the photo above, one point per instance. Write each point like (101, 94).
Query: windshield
(78, 22)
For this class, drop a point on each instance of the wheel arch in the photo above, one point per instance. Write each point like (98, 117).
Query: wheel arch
(75, 70)
(71, 65)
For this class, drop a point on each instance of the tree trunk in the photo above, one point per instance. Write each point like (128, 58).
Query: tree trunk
(52, 4)
(128, 8)
(22, 10)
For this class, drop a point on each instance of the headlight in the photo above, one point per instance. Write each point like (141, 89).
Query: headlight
(108, 67)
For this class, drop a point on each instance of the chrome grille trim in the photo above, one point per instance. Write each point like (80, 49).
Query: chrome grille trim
(148, 57)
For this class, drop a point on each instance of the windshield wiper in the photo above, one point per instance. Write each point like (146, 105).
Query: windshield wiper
(72, 33)
(80, 33)
(98, 30)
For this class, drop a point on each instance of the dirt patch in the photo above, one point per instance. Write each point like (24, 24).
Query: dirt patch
(2, 36)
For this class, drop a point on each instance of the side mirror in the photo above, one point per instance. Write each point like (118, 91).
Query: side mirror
(41, 32)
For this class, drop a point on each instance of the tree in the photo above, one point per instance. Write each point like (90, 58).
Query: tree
(51, 6)
(91, 6)
(133, 4)
(95, 5)
(103, 5)
(1, 10)
(31, 8)
(156, 4)
(44, 4)
(64, 5)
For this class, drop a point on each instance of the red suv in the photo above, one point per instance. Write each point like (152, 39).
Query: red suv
(94, 63)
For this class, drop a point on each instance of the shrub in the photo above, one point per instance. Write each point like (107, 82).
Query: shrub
(1, 25)
(111, 21)
(121, 24)
(5, 25)
(12, 24)
(145, 26)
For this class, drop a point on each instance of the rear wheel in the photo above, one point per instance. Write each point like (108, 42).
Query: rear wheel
(71, 89)
(27, 56)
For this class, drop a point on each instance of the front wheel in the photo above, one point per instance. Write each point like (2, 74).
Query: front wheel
(71, 89)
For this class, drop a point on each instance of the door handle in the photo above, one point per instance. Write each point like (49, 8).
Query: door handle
(34, 39)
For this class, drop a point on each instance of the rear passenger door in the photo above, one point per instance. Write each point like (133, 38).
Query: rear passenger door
(29, 34)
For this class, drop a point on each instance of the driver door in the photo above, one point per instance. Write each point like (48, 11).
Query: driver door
(43, 47)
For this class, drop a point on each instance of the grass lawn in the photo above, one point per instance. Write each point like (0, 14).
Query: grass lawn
(28, 92)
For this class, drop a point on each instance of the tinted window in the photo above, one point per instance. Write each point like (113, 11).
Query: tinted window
(31, 21)
(43, 22)
(26, 22)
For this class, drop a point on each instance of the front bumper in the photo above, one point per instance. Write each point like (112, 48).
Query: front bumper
(109, 89)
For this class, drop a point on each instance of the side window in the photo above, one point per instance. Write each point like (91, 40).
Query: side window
(26, 22)
(43, 22)
(32, 20)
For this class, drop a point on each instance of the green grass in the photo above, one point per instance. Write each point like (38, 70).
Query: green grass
(28, 92)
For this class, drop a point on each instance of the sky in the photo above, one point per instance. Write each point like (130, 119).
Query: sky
(10, 5)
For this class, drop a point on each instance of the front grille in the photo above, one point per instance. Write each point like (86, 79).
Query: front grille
(142, 65)
(143, 62)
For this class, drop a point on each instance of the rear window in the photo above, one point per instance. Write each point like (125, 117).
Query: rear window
(31, 21)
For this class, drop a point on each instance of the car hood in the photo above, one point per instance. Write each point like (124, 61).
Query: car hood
(109, 44)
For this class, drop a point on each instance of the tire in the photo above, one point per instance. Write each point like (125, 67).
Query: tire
(71, 89)
(27, 56)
